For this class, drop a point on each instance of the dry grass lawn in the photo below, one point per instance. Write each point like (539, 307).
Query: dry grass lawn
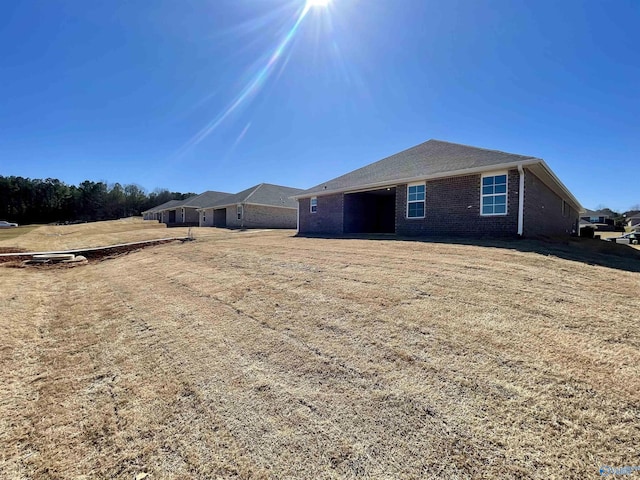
(262, 355)
(84, 235)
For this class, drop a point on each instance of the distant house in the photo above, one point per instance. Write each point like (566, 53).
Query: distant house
(187, 213)
(442, 188)
(595, 216)
(634, 222)
(261, 206)
(156, 213)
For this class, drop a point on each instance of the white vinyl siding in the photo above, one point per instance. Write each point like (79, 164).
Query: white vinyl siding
(493, 195)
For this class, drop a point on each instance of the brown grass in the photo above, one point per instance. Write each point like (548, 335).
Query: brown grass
(262, 355)
(13, 233)
(93, 234)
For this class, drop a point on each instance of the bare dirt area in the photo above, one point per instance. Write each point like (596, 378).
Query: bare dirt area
(263, 355)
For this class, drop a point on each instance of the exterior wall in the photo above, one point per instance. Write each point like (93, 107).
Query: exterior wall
(207, 214)
(262, 216)
(329, 217)
(452, 207)
(543, 210)
(191, 215)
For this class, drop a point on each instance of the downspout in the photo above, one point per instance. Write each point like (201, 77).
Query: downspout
(521, 202)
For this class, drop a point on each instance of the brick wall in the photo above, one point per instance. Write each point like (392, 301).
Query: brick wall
(328, 219)
(543, 210)
(453, 208)
(206, 218)
(261, 216)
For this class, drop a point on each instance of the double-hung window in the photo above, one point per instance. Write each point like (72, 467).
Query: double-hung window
(416, 195)
(239, 211)
(494, 194)
(313, 208)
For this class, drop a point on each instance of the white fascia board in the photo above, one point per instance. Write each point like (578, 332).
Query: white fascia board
(391, 183)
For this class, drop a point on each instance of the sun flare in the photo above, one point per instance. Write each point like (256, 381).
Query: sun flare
(318, 3)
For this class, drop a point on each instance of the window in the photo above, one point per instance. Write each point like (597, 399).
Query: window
(564, 208)
(239, 211)
(494, 195)
(314, 205)
(204, 216)
(415, 200)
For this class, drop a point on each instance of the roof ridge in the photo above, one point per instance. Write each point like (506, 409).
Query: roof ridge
(253, 191)
(478, 148)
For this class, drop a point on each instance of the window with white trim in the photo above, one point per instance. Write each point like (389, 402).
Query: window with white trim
(493, 197)
(313, 205)
(204, 216)
(416, 195)
(239, 212)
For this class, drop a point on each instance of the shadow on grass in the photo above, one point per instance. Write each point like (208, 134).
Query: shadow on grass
(11, 233)
(589, 251)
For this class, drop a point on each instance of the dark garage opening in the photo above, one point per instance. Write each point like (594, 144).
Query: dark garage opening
(370, 212)
(220, 217)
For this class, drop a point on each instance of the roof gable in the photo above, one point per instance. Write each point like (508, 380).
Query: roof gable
(430, 158)
(205, 198)
(262, 194)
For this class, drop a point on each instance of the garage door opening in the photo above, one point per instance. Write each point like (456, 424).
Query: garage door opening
(370, 212)
(220, 218)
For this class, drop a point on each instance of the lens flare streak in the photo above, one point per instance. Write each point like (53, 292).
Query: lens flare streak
(252, 88)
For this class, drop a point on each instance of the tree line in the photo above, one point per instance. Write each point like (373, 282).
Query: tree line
(26, 200)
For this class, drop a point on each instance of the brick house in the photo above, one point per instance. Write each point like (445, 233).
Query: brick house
(442, 188)
(184, 213)
(156, 213)
(261, 206)
(187, 213)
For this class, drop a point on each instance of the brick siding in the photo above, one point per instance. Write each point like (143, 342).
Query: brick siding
(453, 208)
(543, 210)
(262, 216)
(328, 219)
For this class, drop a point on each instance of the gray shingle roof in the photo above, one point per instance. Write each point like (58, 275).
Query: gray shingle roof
(164, 206)
(430, 158)
(204, 199)
(262, 194)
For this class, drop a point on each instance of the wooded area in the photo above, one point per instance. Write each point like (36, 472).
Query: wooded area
(25, 200)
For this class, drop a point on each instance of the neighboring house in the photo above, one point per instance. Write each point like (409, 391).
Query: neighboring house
(187, 213)
(595, 216)
(171, 214)
(634, 222)
(155, 213)
(262, 206)
(442, 188)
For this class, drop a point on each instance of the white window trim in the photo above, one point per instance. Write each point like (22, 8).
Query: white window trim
(311, 210)
(239, 211)
(423, 201)
(506, 211)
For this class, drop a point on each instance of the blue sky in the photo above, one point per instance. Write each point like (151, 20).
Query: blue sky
(188, 95)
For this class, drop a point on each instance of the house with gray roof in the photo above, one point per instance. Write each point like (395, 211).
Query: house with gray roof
(446, 189)
(634, 223)
(155, 213)
(184, 213)
(261, 206)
